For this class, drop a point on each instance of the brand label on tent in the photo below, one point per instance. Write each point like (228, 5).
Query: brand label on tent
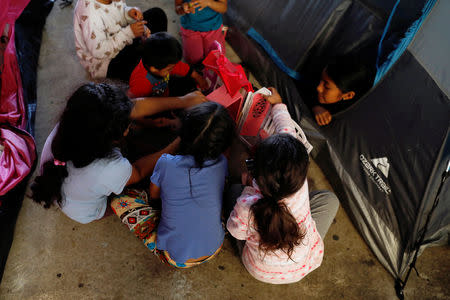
(382, 165)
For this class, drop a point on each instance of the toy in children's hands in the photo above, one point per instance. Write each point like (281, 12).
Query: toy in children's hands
(256, 120)
(254, 110)
(232, 104)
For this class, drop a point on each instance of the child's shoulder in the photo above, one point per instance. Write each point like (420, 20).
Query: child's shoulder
(175, 160)
(168, 157)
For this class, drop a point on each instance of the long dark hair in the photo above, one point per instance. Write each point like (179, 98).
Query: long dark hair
(94, 120)
(280, 167)
(207, 131)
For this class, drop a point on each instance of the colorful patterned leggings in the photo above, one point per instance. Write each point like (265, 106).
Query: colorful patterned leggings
(134, 211)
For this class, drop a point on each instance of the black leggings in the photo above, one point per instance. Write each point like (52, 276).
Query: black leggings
(128, 58)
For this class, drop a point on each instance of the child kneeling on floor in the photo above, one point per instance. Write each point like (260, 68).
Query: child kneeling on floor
(190, 185)
(282, 234)
(161, 71)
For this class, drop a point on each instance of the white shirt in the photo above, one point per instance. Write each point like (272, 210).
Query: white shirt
(85, 190)
(101, 31)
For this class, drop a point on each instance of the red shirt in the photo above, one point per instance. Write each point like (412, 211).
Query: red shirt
(145, 84)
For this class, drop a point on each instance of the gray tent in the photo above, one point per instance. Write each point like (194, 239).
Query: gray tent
(386, 156)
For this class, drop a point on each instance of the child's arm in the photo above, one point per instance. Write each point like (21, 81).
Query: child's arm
(200, 80)
(155, 191)
(219, 6)
(150, 106)
(99, 41)
(237, 223)
(283, 121)
(183, 69)
(322, 115)
(144, 166)
(281, 117)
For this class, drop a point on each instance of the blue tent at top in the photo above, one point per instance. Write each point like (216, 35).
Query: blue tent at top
(387, 155)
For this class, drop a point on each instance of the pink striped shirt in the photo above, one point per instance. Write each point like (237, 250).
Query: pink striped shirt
(276, 267)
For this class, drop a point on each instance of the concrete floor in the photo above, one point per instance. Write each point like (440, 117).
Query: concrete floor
(53, 257)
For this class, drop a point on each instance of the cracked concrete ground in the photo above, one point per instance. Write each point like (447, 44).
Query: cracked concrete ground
(53, 257)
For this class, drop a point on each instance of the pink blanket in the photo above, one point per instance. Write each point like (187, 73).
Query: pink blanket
(19, 151)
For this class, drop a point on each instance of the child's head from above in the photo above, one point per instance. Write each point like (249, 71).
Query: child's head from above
(160, 53)
(96, 117)
(344, 78)
(280, 166)
(206, 131)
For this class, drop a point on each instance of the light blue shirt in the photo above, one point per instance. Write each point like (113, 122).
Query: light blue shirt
(85, 190)
(190, 225)
(203, 20)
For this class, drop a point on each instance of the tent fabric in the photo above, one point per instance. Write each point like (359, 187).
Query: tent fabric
(385, 155)
(272, 53)
(403, 44)
(286, 18)
(435, 59)
(306, 33)
(379, 127)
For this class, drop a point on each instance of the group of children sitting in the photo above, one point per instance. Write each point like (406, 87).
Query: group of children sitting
(84, 172)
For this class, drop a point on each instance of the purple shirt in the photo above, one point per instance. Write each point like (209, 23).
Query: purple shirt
(190, 225)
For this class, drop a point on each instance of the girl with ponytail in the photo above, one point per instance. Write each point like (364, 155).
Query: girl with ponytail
(81, 163)
(190, 185)
(282, 233)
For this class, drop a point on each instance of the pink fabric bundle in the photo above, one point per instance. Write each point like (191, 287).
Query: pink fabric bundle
(19, 153)
(17, 158)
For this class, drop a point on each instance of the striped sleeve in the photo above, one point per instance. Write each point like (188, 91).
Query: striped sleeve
(282, 119)
(237, 223)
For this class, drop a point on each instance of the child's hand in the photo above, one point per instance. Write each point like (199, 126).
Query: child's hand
(183, 8)
(246, 179)
(275, 98)
(201, 82)
(187, 8)
(323, 116)
(194, 98)
(147, 32)
(136, 14)
(200, 4)
(138, 28)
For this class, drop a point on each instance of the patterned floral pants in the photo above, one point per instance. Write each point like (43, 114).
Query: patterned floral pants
(134, 211)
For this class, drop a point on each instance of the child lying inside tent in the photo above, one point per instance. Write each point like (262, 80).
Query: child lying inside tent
(108, 33)
(161, 68)
(342, 83)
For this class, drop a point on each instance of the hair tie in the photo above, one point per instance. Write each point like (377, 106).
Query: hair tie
(58, 162)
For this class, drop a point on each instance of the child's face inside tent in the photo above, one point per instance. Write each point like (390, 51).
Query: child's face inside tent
(328, 92)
